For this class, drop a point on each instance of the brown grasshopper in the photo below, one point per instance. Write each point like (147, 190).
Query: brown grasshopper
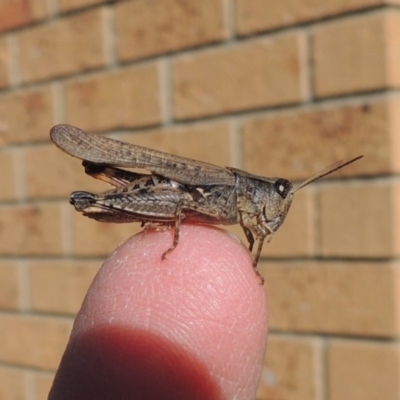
(177, 189)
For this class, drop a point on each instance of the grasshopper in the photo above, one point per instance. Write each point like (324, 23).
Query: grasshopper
(177, 189)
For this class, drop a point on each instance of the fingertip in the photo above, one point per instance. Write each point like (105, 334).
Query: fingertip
(204, 298)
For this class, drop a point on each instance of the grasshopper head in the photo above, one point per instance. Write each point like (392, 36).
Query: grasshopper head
(277, 207)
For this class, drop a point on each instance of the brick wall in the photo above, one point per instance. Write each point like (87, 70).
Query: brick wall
(280, 89)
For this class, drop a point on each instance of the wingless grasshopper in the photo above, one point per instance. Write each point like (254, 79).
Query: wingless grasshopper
(177, 189)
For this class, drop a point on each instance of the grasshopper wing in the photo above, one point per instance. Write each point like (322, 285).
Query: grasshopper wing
(102, 150)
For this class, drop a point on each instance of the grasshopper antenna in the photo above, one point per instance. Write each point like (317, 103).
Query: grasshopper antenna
(326, 171)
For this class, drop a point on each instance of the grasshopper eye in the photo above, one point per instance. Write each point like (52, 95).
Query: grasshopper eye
(282, 186)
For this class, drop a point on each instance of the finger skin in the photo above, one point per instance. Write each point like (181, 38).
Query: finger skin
(192, 326)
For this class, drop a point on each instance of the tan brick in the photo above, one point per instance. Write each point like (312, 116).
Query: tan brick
(363, 370)
(43, 382)
(92, 238)
(8, 181)
(356, 219)
(13, 383)
(17, 13)
(296, 144)
(192, 141)
(146, 28)
(68, 5)
(57, 48)
(255, 74)
(25, 116)
(50, 173)
(9, 286)
(259, 15)
(392, 33)
(4, 63)
(354, 55)
(346, 298)
(291, 369)
(60, 286)
(130, 97)
(34, 229)
(33, 341)
(393, 129)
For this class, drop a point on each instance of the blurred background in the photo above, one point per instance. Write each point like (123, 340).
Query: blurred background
(278, 88)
